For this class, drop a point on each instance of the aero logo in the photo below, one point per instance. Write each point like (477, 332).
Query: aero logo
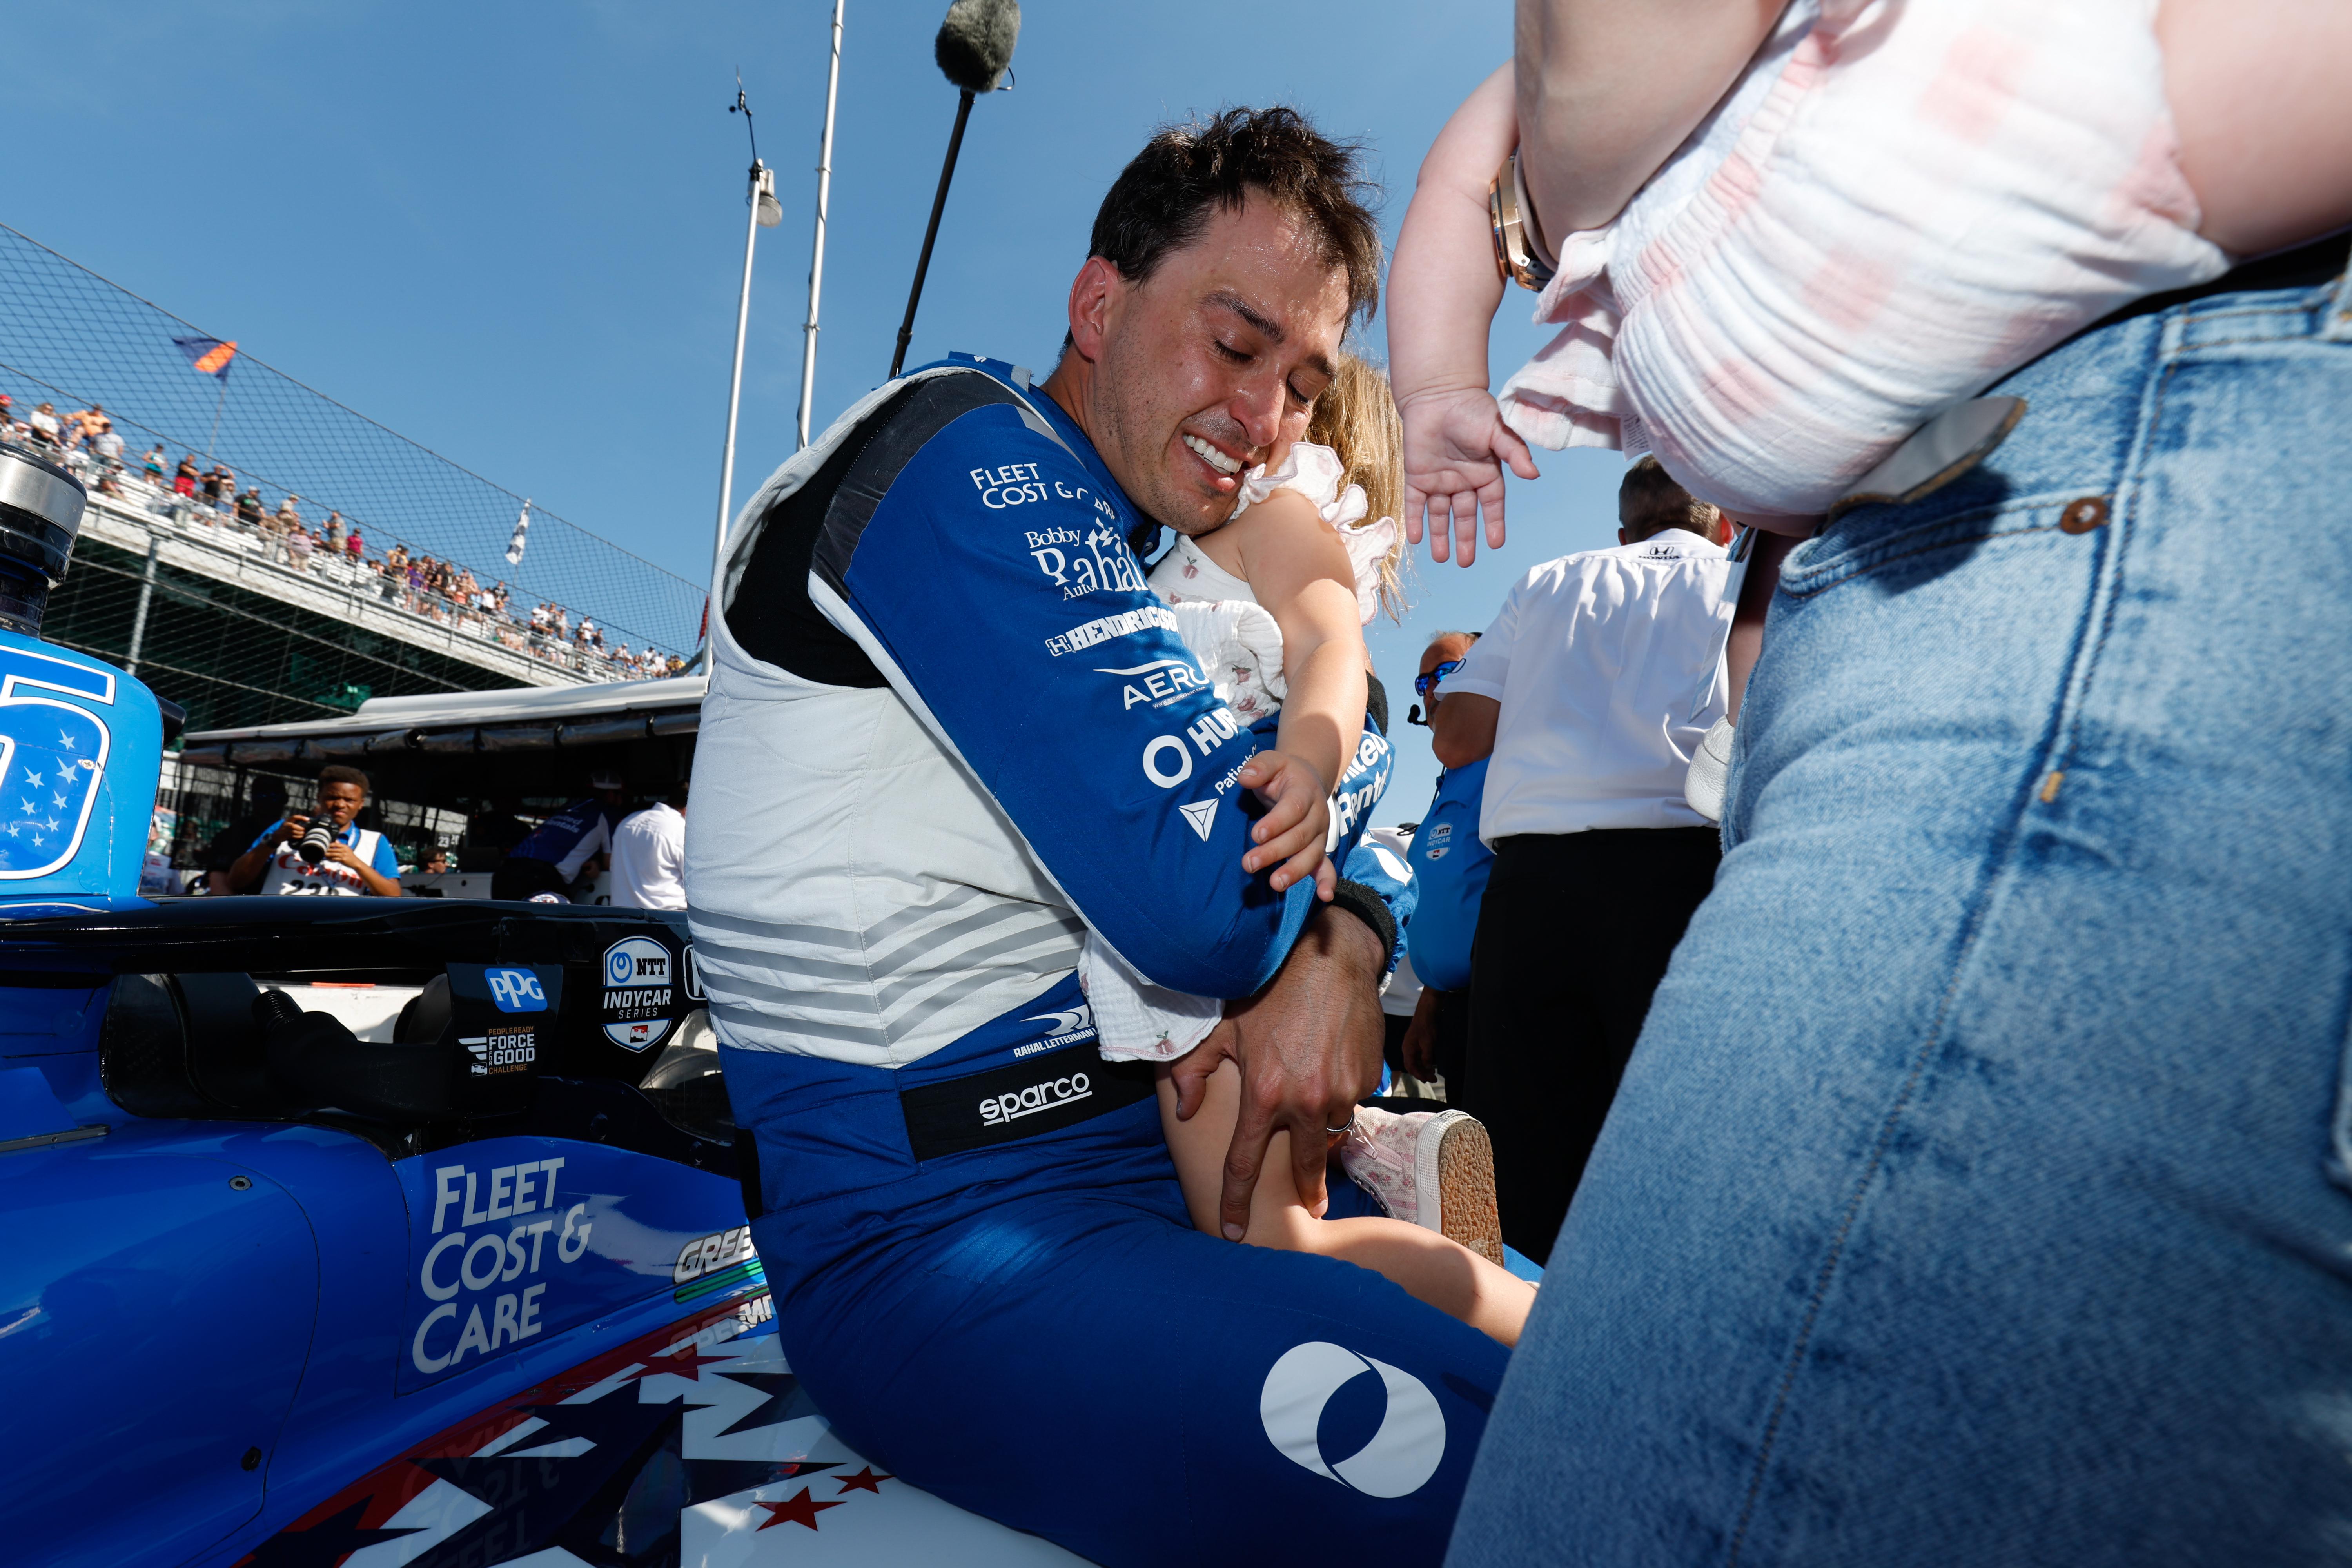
(1403, 1455)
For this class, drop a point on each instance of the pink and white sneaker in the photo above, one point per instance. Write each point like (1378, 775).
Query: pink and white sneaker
(1434, 1169)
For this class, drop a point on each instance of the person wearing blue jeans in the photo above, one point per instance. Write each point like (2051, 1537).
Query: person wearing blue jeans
(1981, 1191)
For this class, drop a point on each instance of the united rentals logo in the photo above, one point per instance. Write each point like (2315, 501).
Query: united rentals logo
(1050, 1095)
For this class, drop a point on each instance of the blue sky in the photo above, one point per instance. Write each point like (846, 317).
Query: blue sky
(513, 233)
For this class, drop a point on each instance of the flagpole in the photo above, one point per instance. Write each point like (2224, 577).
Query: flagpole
(816, 260)
(763, 183)
(217, 402)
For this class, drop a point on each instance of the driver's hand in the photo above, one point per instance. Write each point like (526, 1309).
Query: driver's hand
(1308, 1047)
(1297, 821)
(1455, 448)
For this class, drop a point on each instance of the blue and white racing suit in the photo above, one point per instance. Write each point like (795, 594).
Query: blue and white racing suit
(947, 730)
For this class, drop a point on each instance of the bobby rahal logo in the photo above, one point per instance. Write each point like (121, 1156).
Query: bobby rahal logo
(1071, 1027)
(506, 1049)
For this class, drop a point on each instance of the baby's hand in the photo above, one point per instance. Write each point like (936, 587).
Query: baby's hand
(1455, 445)
(1297, 820)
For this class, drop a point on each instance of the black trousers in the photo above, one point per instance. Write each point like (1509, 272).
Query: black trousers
(1574, 936)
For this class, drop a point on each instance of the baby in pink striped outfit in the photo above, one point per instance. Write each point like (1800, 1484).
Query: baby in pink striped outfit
(1884, 207)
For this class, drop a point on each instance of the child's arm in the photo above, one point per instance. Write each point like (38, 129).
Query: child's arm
(1299, 571)
(1607, 90)
(1443, 294)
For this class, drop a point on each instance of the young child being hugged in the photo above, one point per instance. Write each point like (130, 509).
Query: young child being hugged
(1274, 604)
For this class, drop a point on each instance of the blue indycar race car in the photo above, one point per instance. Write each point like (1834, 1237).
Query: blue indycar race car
(367, 1232)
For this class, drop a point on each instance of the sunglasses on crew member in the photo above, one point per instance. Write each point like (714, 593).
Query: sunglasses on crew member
(1422, 683)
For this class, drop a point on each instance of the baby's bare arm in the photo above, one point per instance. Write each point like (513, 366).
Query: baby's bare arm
(1609, 88)
(1443, 293)
(2264, 123)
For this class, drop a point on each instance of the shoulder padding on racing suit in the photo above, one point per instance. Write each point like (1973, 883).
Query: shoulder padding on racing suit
(947, 724)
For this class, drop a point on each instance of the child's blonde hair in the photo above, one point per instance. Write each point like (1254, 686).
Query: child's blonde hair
(1356, 416)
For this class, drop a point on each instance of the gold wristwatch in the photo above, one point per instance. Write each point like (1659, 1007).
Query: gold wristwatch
(1519, 248)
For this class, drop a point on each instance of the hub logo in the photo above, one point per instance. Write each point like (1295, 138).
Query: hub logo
(516, 990)
(640, 992)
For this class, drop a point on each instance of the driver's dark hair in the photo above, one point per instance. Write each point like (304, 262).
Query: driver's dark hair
(338, 773)
(1164, 196)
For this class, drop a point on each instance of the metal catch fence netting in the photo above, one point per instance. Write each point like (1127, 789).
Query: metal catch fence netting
(76, 341)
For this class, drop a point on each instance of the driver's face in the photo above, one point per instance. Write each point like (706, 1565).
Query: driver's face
(341, 802)
(1225, 347)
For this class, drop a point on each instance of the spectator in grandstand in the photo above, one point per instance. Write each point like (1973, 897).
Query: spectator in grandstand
(649, 856)
(88, 422)
(359, 862)
(44, 426)
(107, 445)
(249, 509)
(567, 846)
(298, 545)
(214, 486)
(334, 530)
(355, 547)
(153, 465)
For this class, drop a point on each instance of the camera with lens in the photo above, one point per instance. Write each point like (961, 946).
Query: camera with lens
(317, 838)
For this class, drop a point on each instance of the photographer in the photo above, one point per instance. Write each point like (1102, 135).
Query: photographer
(336, 859)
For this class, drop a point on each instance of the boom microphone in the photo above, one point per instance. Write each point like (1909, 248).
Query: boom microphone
(975, 43)
(974, 49)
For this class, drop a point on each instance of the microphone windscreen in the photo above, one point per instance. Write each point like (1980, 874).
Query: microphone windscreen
(975, 42)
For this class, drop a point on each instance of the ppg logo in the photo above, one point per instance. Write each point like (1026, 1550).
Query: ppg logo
(1401, 1457)
(516, 990)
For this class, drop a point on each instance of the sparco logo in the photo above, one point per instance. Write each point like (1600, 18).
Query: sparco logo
(1011, 1106)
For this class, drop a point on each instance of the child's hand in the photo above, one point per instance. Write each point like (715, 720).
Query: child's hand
(1455, 445)
(1297, 820)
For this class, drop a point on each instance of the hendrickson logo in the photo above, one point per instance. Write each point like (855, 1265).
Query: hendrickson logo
(1011, 1106)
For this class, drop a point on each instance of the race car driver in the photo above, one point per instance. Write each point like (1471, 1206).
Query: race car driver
(948, 731)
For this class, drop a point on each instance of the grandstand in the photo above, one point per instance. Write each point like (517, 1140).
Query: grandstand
(239, 621)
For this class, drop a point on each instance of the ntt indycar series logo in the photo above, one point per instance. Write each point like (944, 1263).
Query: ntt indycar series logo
(640, 980)
(1051, 1095)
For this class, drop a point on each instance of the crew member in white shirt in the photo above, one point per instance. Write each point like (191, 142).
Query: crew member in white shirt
(1590, 693)
(649, 856)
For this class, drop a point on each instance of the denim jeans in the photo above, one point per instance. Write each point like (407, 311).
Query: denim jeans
(1977, 1193)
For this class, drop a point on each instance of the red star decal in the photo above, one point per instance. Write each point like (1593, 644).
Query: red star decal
(864, 1480)
(802, 1510)
(683, 1361)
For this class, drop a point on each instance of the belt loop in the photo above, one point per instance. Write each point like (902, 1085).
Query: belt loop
(2337, 327)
